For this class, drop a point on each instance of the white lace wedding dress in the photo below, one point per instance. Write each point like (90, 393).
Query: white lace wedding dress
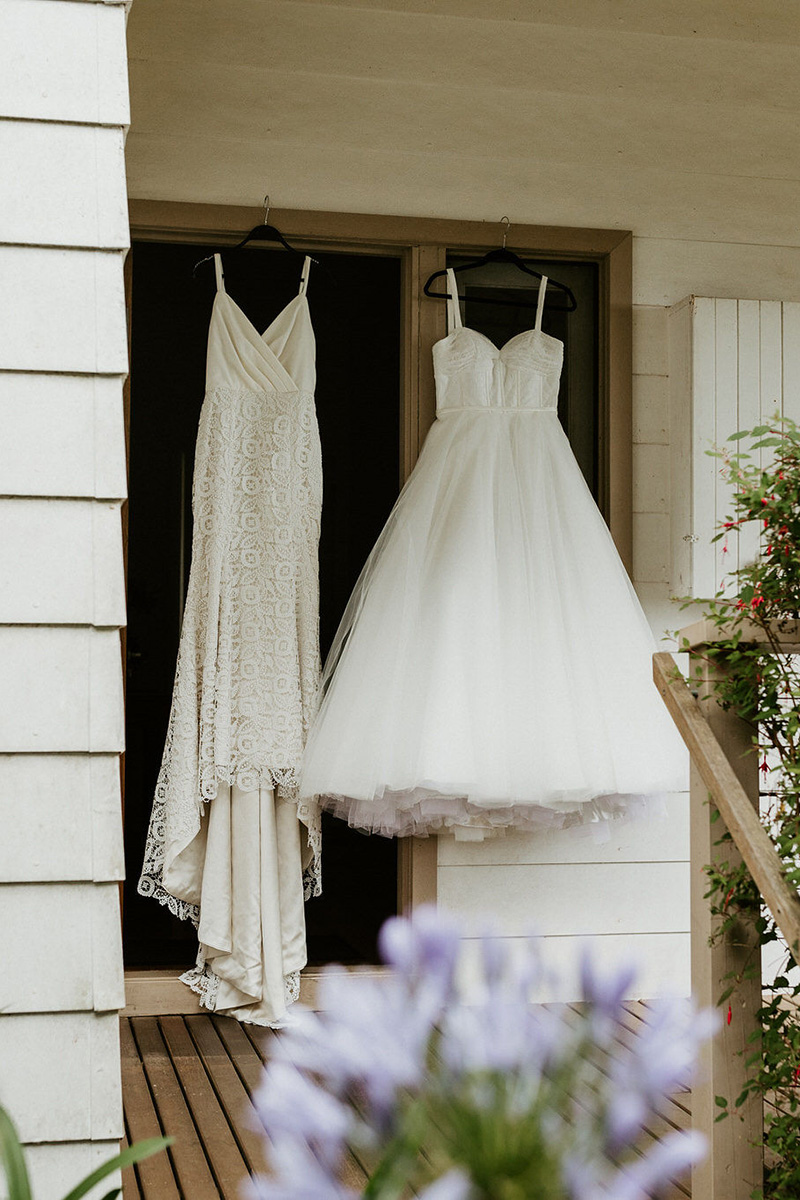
(493, 666)
(229, 845)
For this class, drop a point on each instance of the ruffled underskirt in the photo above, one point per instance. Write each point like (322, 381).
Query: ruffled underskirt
(424, 812)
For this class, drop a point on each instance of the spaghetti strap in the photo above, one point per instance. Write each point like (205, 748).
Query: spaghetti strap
(540, 305)
(220, 275)
(453, 306)
(304, 274)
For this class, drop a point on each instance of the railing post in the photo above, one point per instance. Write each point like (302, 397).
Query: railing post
(734, 1165)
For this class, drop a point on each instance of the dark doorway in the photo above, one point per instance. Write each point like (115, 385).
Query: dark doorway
(355, 307)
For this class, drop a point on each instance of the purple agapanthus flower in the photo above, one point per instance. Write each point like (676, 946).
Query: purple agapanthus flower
(446, 1042)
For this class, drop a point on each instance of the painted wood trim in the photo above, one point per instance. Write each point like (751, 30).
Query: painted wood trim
(723, 767)
(784, 638)
(161, 993)
(735, 806)
(177, 221)
(616, 396)
(680, 446)
(422, 243)
(424, 321)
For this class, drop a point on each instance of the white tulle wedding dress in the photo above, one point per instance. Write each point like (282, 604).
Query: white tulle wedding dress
(493, 666)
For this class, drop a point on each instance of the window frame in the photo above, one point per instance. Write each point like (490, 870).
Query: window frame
(422, 244)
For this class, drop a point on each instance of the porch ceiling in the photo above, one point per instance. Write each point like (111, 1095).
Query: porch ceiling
(670, 118)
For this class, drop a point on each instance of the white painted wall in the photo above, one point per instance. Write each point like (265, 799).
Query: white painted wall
(63, 358)
(675, 121)
(735, 364)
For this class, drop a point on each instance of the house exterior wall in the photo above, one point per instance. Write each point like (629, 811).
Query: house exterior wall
(63, 359)
(671, 122)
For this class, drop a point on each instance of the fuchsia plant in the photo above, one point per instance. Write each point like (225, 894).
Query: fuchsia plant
(468, 1091)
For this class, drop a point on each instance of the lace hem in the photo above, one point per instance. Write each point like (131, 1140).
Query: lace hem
(205, 984)
(151, 886)
(284, 784)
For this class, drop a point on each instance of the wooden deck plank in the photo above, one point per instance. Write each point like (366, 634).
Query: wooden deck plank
(189, 1160)
(354, 1172)
(243, 1054)
(657, 1124)
(674, 1109)
(154, 1175)
(130, 1184)
(193, 1076)
(224, 1155)
(260, 1039)
(231, 1092)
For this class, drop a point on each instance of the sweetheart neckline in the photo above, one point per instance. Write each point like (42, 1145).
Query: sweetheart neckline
(497, 349)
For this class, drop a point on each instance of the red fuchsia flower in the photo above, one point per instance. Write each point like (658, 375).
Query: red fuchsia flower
(730, 1014)
(740, 604)
(764, 767)
(727, 900)
(796, 1075)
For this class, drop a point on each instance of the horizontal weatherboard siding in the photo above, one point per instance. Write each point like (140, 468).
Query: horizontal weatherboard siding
(60, 817)
(60, 948)
(63, 435)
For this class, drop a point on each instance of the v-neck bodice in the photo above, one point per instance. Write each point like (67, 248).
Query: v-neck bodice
(248, 664)
(279, 359)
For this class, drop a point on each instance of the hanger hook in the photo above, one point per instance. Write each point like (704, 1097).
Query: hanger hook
(506, 230)
(266, 209)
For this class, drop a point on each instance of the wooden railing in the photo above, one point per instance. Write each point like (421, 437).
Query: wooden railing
(724, 768)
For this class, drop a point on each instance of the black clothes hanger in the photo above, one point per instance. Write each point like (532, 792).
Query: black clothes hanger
(501, 255)
(259, 233)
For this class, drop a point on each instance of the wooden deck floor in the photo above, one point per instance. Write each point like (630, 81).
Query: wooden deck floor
(192, 1077)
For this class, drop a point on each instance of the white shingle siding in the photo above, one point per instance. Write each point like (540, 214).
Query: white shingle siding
(62, 310)
(64, 562)
(62, 60)
(63, 359)
(59, 815)
(67, 187)
(61, 1076)
(63, 435)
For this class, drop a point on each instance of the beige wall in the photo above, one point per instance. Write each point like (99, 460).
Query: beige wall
(676, 121)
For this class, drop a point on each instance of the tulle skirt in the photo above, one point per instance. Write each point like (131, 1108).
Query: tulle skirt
(493, 666)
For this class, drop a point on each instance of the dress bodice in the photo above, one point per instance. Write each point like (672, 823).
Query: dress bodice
(471, 372)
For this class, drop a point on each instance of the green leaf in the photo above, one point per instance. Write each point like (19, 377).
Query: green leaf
(720, 1102)
(13, 1160)
(135, 1153)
